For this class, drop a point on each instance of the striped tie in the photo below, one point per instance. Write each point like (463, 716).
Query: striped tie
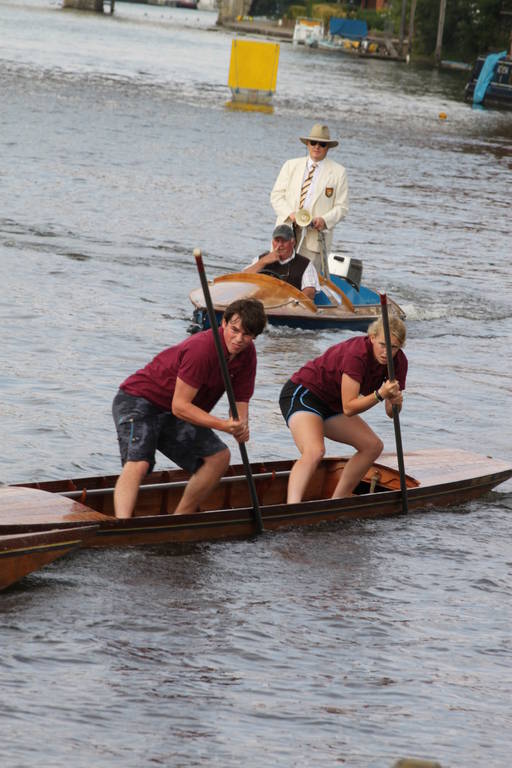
(305, 186)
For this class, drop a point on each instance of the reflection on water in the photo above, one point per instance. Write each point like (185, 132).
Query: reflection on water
(351, 644)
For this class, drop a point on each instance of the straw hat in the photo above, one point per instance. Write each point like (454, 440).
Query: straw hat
(319, 132)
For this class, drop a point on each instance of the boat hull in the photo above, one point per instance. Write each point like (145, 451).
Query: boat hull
(441, 479)
(286, 306)
(201, 321)
(23, 553)
(499, 91)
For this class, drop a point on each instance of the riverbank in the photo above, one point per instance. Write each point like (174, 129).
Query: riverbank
(272, 29)
(283, 30)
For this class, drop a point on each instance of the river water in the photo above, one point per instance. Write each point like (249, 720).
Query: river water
(344, 645)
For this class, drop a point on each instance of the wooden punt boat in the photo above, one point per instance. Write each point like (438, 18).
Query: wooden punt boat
(440, 478)
(338, 305)
(23, 553)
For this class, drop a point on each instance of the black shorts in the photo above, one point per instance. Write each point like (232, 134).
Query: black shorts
(295, 398)
(143, 428)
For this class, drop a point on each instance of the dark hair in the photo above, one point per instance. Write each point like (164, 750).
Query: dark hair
(251, 313)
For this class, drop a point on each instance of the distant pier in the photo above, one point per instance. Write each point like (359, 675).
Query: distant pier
(229, 10)
(99, 6)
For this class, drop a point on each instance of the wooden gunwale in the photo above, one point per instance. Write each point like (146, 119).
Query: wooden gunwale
(6, 550)
(269, 284)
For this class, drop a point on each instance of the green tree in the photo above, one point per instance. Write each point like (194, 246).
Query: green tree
(471, 26)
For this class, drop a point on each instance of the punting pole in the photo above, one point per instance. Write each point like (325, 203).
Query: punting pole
(229, 389)
(396, 417)
(323, 255)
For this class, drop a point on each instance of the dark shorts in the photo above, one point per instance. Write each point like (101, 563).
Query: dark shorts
(295, 398)
(143, 428)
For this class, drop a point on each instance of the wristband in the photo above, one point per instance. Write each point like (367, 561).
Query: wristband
(378, 397)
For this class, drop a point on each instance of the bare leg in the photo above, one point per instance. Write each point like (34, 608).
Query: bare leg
(202, 482)
(127, 487)
(308, 432)
(356, 432)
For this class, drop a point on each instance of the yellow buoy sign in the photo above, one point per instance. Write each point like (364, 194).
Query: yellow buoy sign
(253, 70)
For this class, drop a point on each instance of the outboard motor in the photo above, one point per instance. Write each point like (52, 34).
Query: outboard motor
(346, 267)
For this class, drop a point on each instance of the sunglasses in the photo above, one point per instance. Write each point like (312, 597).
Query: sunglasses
(320, 143)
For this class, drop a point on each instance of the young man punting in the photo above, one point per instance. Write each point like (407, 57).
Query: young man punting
(166, 406)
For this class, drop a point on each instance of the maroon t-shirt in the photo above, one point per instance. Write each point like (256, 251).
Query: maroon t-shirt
(195, 362)
(355, 358)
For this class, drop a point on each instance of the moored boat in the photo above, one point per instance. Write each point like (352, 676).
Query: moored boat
(342, 303)
(307, 31)
(350, 36)
(440, 478)
(23, 553)
(490, 82)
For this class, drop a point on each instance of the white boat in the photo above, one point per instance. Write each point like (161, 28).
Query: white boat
(308, 31)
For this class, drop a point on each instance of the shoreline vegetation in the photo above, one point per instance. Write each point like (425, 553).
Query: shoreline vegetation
(428, 32)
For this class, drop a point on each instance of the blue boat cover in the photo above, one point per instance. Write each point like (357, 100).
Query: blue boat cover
(485, 76)
(353, 29)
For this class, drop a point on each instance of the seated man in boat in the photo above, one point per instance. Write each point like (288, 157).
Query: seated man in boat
(325, 397)
(284, 263)
(166, 406)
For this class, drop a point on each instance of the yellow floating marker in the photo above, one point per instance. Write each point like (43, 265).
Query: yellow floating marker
(443, 115)
(253, 74)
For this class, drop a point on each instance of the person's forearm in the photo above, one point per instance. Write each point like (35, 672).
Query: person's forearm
(253, 268)
(360, 404)
(264, 261)
(195, 415)
(309, 292)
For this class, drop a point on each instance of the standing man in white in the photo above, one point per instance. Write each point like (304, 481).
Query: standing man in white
(316, 184)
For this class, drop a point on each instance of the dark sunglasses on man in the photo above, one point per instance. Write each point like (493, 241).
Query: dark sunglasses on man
(320, 143)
